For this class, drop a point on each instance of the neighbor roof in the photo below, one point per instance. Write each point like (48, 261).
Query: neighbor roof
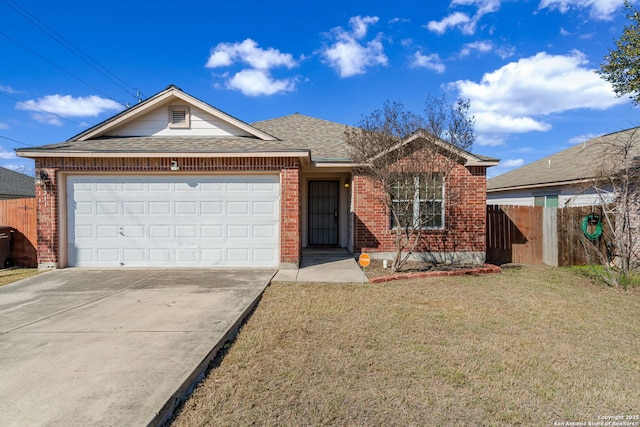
(16, 185)
(578, 163)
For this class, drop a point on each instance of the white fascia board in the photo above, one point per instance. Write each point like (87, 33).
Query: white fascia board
(333, 164)
(479, 162)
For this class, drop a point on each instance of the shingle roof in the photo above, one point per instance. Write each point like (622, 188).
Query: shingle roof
(14, 184)
(293, 133)
(325, 139)
(577, 163)
(191, 144)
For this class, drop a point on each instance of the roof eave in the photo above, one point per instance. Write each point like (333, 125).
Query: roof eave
(539, 185)
(482, 163)
(303, 155)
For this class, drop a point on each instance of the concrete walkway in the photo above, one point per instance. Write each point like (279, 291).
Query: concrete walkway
(82, 347)
(324, 265)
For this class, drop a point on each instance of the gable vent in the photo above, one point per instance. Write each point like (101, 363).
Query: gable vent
(179, 116)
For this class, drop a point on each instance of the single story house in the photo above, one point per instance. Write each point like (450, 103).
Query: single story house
(16, 185)
(564, 178)
(173, 181)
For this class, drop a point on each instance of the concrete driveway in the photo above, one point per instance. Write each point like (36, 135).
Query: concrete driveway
(82, 347)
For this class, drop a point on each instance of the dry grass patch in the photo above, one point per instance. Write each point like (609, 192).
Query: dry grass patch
(11, 275)
(529, 346)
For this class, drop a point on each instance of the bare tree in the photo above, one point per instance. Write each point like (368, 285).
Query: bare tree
(617, 185)
(410, 157)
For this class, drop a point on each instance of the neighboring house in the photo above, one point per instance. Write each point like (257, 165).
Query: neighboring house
(562, 179)
(15, 185)
(174, 181)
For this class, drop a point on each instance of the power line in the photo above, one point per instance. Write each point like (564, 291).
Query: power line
(75, 50)
(58, 67)
(15, 140)
(33, 107)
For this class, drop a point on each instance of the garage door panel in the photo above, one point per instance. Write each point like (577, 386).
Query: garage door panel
(133, 208)
(107, 208)
(159, 208)
(107, 232)
(108, 255)
(173, 221)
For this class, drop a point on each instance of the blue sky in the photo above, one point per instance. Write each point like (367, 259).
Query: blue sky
(527, 67)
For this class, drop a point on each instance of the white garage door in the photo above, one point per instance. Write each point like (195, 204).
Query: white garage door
(178, 221)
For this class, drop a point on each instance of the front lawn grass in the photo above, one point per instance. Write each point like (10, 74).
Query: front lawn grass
(530, 346)
(11, 275)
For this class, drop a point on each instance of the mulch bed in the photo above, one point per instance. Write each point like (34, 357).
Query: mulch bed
(419, 270)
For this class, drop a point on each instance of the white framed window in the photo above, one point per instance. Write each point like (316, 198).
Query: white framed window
(418, 201)
(179, 117)
(546, 200)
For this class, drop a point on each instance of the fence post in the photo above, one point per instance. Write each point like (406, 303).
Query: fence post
(550, 236)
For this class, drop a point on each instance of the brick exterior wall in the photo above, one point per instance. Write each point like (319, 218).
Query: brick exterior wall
(47, 194)
(290, 216)
(464, 223)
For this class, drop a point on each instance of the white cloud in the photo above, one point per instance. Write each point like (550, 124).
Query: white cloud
(511, 163)
(504, 166)
(6, 154)
(431, 62)
(479, 46)
(490, 121)
(256, 79)
(8, 89)
(463, 21)
(484, 6)
(360, 25)
(67, 106)
(248, 52)
(456, 19)
(349, 55)
(259, 82)
(397, 20)
(4, 126)
(485, 46)
(513, 98)
(598, 9)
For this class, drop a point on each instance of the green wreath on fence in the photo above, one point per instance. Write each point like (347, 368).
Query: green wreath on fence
(593, 219)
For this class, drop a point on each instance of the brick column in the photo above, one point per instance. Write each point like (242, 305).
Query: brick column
(290, 221)
(47, 219)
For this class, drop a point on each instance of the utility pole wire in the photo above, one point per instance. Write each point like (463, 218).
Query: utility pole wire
(33, 107)
(15, 140)
(58, 67)
(75, 50)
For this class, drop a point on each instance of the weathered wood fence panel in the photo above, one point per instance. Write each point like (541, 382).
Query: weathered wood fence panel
(514, 234)
(571, 250)
(537, 235)
(20, 215)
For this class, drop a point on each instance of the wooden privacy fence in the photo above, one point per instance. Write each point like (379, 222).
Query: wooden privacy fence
(538, 235)
(20, 216)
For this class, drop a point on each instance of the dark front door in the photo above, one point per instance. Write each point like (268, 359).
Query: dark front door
(323, 213)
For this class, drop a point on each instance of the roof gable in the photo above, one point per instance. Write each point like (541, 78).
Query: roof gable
(466, 158)
(151, 118)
